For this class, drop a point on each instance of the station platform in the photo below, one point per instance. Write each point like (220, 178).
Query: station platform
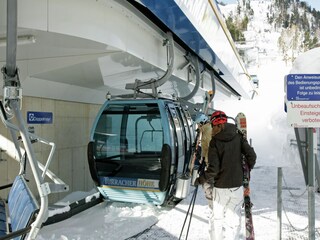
(264, 198)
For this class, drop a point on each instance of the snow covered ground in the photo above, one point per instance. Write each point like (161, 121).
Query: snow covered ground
(270, 134)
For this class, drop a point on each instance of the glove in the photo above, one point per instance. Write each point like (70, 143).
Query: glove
(246, 191)
(199, 181)
(196, 182)
(208, 188)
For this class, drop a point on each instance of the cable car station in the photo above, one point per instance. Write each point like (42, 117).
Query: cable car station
(103, 95)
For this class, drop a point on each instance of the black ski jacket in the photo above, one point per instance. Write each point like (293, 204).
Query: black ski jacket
(225, 158)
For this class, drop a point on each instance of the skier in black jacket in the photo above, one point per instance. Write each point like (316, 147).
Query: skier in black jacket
(225, 172)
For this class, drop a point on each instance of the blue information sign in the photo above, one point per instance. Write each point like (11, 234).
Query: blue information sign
(39, 117)
(303, 87)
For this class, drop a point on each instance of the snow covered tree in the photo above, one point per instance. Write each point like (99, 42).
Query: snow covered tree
(235, 30)
(289, 43)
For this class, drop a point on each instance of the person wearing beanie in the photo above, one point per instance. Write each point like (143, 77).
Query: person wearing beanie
(224, 172)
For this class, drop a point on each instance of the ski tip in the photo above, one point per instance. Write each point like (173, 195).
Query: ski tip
(240, 114)
(241, 121)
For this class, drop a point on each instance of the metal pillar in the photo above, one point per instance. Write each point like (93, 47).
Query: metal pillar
(12, 21)
(303, 157)
(12, 100)
(279, 204)
(312, 146)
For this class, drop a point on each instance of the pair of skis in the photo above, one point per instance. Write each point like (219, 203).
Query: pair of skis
(241, 123)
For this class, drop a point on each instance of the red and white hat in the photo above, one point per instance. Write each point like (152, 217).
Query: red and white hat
(218, 117)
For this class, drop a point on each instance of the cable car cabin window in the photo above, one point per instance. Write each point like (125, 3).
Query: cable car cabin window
(191, 126)
(186, 133)
(129, 140)
(186, 137)
(180, 138)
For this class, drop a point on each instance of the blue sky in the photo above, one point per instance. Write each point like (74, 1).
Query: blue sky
(313, 3)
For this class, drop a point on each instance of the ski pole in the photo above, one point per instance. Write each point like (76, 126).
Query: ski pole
(191, 205)
(195, 196)
(192, 202)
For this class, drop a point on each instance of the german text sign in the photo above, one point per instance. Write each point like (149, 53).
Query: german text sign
(303, 87)
(303, 100)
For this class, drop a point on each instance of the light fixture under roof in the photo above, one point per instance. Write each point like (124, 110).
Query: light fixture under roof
(21, 40)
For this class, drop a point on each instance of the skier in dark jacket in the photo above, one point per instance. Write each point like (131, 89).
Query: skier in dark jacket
(225, 172)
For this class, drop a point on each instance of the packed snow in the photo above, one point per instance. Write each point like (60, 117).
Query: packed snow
(270, 134)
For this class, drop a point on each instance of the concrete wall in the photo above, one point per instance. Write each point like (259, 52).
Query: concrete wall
(69, 131)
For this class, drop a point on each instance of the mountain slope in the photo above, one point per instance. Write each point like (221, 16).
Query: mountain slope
(292, 27)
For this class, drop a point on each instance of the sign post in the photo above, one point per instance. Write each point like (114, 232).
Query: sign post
(303, 108)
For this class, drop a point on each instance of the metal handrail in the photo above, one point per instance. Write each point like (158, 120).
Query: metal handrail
(44, 168)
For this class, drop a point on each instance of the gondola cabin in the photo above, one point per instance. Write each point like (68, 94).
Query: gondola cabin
(139, 148)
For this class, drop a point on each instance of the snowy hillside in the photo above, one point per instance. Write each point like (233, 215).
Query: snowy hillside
(291, 26)
(270, 134)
